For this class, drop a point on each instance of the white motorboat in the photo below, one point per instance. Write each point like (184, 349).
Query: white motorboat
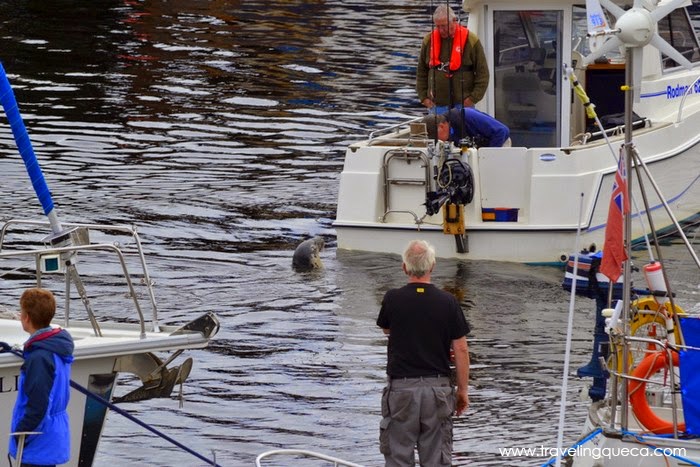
(526, 198)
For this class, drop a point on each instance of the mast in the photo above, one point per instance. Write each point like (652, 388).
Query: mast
(59, 237)
(627, 270)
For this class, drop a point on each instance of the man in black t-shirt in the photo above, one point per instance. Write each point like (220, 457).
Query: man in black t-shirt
(422, 323)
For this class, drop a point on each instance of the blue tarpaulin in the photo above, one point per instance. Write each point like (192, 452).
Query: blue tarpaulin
(690, 375)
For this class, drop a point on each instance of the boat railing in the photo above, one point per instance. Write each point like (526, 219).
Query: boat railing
(407, 155)
(663, 345)
(81, 231)
(688, 91)
(393, 128)
(305, 453)
(38, 254)
(612, 131)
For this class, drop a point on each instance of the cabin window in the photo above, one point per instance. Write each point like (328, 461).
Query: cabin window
(677, 30)
(581, 43)
(527, 74)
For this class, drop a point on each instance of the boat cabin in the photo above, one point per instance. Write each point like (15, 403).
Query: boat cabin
(527, 48)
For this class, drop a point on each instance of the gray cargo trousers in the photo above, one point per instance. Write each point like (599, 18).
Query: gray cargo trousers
(417, 412)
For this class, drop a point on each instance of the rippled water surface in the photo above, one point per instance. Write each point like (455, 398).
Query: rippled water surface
(219, 128)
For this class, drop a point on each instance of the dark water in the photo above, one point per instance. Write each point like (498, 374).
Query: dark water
(219, 128)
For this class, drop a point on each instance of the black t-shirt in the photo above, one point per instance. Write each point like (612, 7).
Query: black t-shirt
(423, 321)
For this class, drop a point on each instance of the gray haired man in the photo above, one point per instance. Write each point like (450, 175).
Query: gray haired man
(423, 323)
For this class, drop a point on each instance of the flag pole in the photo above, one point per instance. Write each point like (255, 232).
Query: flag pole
(626, 289)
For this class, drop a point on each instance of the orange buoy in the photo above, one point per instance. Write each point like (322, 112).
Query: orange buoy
(650, 365)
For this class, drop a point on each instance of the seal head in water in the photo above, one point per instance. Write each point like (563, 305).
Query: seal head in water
(307, 256)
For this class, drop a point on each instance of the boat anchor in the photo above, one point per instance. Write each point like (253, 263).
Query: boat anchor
(159, 380)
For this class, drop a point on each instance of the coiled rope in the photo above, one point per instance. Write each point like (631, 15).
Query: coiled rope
(5, 347)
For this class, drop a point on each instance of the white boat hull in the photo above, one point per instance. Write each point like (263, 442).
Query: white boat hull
(610, 449)
(544, 184)
(93, 368)
(556, 159)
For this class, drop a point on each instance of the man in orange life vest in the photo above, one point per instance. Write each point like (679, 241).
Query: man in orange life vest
(452, 70)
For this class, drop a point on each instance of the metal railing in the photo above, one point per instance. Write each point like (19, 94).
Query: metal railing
(417, 156)
(37, 254)
(305, 453)
(690, 90)
(672, 383)
(394, 128)
(130, 231)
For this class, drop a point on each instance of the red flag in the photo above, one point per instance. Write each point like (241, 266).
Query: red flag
(614, 253)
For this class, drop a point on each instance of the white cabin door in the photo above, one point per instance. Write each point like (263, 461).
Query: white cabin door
(527, 70)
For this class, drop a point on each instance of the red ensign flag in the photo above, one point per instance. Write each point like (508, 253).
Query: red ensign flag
(614, 248)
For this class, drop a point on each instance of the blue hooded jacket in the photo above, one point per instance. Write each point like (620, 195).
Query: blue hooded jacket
(42, 399)
(471, 122)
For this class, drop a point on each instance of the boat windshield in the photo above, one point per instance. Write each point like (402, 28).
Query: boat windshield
(677, 30)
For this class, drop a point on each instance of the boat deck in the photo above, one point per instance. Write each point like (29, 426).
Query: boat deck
(116, 339)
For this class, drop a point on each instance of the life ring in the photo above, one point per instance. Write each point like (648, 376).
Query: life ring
(651, 364)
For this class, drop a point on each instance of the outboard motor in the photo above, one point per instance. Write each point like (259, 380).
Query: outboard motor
(455, 185)
(454, 181)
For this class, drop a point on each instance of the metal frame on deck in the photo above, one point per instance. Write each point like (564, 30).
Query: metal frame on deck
(305, 453)
(81, 246)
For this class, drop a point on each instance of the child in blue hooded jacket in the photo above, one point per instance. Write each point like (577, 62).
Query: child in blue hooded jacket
(44, 384)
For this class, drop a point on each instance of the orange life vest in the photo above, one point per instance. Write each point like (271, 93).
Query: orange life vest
(458, 42)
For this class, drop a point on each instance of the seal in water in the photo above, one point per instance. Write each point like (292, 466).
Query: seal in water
(307, 256)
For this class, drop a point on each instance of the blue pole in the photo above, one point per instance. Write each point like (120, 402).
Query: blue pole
(19, 131)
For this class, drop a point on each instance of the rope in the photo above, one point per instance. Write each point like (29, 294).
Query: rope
(591, 113)
(569, 333)
(431, 70)
(450, 41)
(459, 73)
(636, 436)
(5, 347)
(12, 271)
(580, 442)
(641, 439)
